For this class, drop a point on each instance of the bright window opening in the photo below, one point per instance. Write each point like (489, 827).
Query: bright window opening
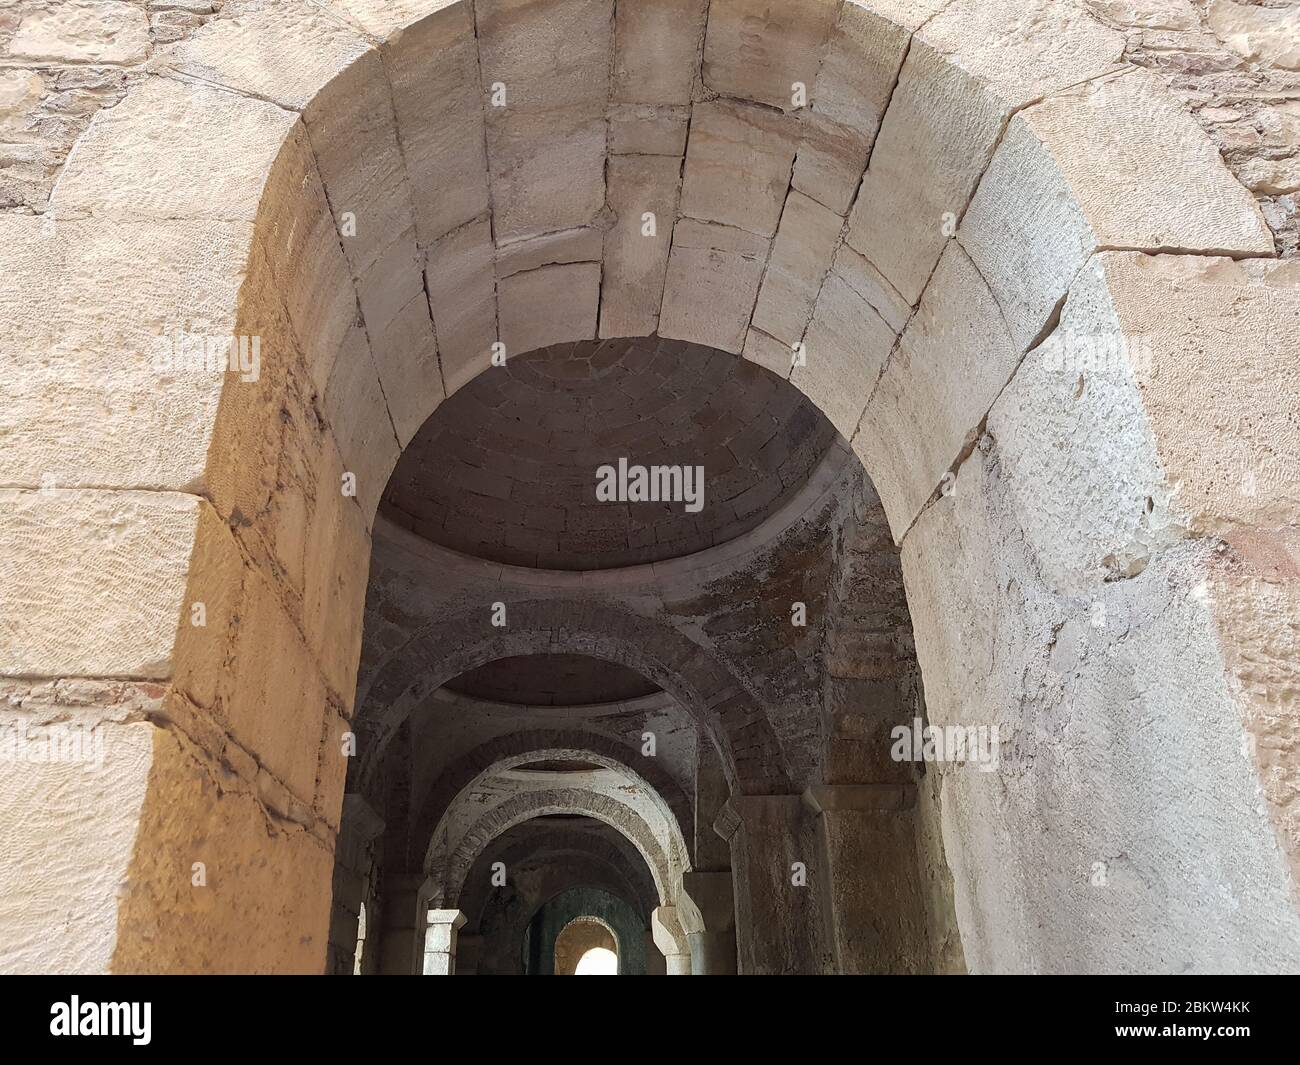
(597, 962)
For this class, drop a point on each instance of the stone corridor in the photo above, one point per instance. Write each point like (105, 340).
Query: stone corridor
(692, 486)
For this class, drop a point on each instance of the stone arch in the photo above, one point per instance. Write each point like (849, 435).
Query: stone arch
(614, 865)
(638, 823)
(936, 347)
(541, 744)
(702, 686)
(579, 936)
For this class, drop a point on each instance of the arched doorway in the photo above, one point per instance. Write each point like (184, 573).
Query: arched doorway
(1078, 559)
(586, 947)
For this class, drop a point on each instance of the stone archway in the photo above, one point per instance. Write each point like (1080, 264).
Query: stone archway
(579, 936)
(1026, 396)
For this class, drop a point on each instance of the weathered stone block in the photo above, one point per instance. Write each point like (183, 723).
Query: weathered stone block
(954, 93)
(213, 163)
(845, 346)
(86, 395)
(757, 50)
(636, 250)
(582, 245)
(657, 50)
(546, 145)
(801, 258)
(406, 355)
(640, 129)
(712, 283)
(437, 97)
(738, 166)
(1068, 178)
(461, 280)
(77, 604)
(549, 306)
(950, 365)
(83, 31)
(357, 412)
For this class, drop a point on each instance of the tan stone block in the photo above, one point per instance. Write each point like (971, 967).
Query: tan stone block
(213, 163)
(955, 92)
(552, 57)
(582, 245)
(388, 19)
(951, 363)
(357, 412)
(209, 613)
(713, 277)
(197, 812)
(845, 347)
(274, 703)
(1148, 14)
(548, 306)
(461, 280)
(639, 129)
(438, 100)
(856, 80)
(406, 355)
(546, 146)
(353, 135)
(738, 165)
(390, 284)
(548, 171)
(286, 52)
(861, 64)
(83, 31)
(757, 50)
(332, 772)
(79, 601)
(337, 551)
(657, 50)
(635, 264)
(830, 162)
(1269, 35)
(801, 258)
(870, 284)
(1193, 310)
(298, 234)
(769, 353)
(1072, 175)
(85, 394)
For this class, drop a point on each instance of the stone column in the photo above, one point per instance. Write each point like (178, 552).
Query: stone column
(671, 940)
(402, 942)
(871, 897)
(707, 906)
(440, 933)
(655, 963)
(358, 825)
(773, 863)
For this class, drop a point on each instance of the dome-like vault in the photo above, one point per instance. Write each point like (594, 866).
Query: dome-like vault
(506, 469)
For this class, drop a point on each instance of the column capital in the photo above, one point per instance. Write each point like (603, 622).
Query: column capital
(447, 917)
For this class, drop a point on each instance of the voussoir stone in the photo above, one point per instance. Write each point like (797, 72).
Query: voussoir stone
(956, 90)
(738, 164)
(636, 247)
(760, 51)
(713, 277)
(1068, 179)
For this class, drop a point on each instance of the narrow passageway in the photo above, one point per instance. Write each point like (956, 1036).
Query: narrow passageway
(781, 487)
